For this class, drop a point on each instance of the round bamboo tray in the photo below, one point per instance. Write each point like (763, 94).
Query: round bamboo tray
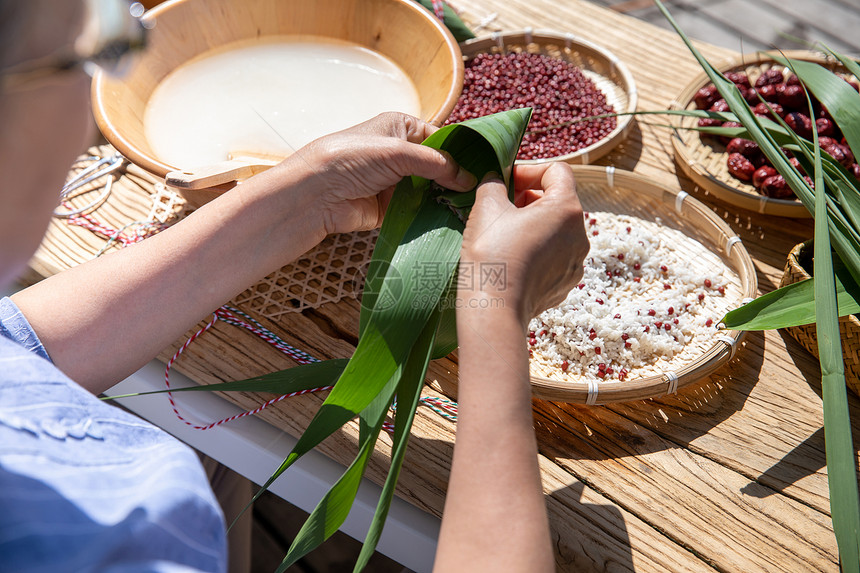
(799, 258)
(626, 193)
(609, 74)
(181, 30)
(703, 158)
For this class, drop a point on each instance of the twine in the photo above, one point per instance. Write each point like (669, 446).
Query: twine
(232, 316)
(442, 406)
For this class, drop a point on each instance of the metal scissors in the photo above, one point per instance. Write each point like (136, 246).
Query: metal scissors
(101, 168)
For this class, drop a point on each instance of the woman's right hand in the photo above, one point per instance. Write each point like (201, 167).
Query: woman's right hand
(539, 240)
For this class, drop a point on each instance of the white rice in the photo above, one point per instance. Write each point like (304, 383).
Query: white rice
(611, 327)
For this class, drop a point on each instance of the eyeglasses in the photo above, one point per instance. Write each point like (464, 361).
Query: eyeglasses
(112, 31)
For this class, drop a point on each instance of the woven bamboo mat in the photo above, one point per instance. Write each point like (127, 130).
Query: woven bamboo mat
(138, 205)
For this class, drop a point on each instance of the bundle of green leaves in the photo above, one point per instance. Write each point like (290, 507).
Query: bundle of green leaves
(834, 201)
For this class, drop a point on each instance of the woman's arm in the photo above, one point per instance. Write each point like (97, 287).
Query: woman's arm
(495, 516)
(103, 320)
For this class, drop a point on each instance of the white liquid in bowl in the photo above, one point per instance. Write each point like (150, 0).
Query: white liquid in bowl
(270, 96)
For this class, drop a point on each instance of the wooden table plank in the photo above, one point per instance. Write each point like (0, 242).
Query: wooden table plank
(727, 475)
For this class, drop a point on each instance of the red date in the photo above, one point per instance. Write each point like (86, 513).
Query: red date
(761, 174)
(764, 109)
(740, 167)
(706, 96)
(791, 97)
(770, 77)
(776, 187)
(740, 79)
(743, 146)
(799, 123)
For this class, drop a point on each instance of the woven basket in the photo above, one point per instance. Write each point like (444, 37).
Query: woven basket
(625, 193)
(849, 326)
(703, 159)
(609, 74)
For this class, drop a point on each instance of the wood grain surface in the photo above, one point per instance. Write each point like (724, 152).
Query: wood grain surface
(727, 475)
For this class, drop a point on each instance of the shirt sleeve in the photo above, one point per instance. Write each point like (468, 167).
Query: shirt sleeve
(15, 326)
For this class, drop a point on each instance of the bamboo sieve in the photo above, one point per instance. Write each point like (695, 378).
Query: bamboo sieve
(609, 74)
(626, 193)
(798, 259)
(703, 158)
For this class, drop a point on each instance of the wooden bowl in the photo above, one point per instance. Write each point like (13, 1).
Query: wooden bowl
(609, 74)
(703, 158)
(401, 30)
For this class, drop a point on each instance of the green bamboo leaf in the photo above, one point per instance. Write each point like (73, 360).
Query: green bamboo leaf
(296, 379)
(838, 444)
(333, 508)
(391, 332)
(791, 305)
(452, 21)
(408, 396)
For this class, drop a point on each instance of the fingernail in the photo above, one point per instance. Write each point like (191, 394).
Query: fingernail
(465, 179)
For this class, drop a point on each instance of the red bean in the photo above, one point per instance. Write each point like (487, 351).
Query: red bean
(559, 93)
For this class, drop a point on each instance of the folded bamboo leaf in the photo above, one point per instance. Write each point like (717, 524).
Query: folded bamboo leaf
(391, 331)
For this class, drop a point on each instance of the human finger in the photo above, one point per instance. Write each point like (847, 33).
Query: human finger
(429, 163)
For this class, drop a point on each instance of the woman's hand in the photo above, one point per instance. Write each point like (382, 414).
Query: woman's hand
(539, 239)
(356, 169)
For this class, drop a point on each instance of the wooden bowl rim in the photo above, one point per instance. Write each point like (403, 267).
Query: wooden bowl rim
(542, 37)
(133, 153)
(736, 195)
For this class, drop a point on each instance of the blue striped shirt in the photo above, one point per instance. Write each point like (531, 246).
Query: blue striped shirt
(85, 486)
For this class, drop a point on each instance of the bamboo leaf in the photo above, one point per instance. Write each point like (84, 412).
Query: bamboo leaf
(838, 445)
(296, 379)
(841, 465)
(333, 508)
(408, 396)
(452, 21)
(791, 305)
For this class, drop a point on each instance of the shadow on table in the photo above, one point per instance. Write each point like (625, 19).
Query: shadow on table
(570, 432)
(808, 456)
(600, 541)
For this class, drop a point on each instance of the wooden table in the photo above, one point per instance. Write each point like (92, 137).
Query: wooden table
(727, 475)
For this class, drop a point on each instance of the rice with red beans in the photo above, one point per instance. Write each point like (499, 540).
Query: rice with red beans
(641, 306)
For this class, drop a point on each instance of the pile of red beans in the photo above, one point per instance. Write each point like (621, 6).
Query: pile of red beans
(559, 93)
(786, 98)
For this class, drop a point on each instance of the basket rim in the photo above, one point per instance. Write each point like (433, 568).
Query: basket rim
(793, 261)
(705, 179)
(547, 37)
(687, 208)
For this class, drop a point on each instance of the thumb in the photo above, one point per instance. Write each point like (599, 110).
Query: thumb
(491, 191)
